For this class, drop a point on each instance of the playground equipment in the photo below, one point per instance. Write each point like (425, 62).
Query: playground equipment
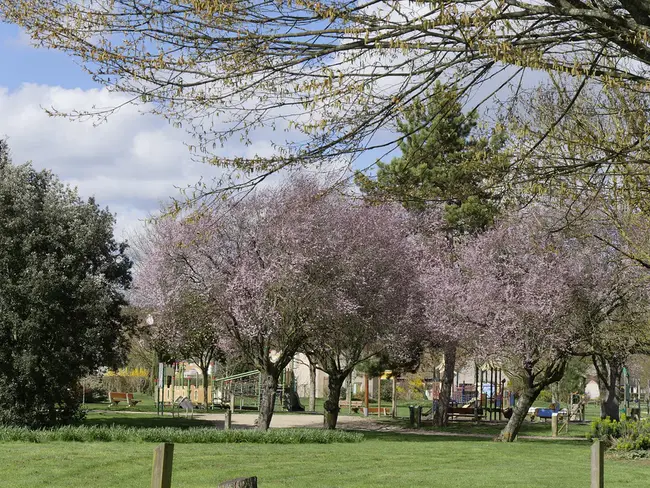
(634, 395)
(577, 405)
(185, 404)
(489, 379)
(482, 400)
(241, 391)
(546, 413)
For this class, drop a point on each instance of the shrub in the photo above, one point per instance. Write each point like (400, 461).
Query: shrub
(127, 380)
(386, 390)
(197, 435)
(626, 435)
(95, 392)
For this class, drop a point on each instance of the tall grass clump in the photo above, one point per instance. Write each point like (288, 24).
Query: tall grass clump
(195, 435)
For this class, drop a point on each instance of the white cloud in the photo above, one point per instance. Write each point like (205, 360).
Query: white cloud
(131, 163)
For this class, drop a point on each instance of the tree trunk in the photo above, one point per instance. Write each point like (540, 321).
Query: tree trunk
(331, 406)
(312, 387)
(206, 380)
(555, 393)
(442, 418)
(267, 401)
(510, 431)
(609, 406)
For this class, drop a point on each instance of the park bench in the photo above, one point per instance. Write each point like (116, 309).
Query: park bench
(464, 412)
(115, 398)
(384, 410)
(355, 404)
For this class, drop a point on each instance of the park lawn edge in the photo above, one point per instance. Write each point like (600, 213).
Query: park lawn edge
(192, 435)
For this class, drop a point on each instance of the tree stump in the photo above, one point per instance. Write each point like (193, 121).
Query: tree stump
(240, 483)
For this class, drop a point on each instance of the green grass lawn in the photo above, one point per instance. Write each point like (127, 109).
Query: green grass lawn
(381, 461)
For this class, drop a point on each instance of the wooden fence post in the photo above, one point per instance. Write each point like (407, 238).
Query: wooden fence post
(597, 464)
(554, 424)
(240, 483)
(163, 456)
(227, 421)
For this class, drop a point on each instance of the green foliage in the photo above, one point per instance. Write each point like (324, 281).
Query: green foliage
(572, 382)
(443, 161)
(62, 283)
(200, 435)
(626, 435)
(386, 390)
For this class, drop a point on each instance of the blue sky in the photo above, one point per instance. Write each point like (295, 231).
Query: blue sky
(131, 164)
(28, 65)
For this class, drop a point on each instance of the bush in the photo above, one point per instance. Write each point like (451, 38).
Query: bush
(128, 380)
(386, 390)
(198, 435)
(95, 391)
(626, 435)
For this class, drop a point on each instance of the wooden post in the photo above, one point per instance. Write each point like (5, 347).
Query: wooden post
(597, 464)
(379, 397)
(366, 397)
(477, 393)
(227, 423)
(163, 457)
(554, 424)
(240, 483)
(348, 394)
(394, 395)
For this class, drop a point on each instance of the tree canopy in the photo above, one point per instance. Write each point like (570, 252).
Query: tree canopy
(223, 68)
(62, 284)
(444, 161)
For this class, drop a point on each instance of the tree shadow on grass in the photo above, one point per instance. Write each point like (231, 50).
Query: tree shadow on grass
(406, 437)
(423, 438)
(145, 422)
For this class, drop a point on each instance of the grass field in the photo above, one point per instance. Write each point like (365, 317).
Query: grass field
(381, 461)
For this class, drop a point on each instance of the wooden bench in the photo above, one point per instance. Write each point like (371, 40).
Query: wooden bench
(115, 398)
(464, 412)
(384, 410)
(355, 404)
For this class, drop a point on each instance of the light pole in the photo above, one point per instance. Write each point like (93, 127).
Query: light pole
(156, 388)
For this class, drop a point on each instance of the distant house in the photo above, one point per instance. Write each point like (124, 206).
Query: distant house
(592, 390)
(300, 366)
